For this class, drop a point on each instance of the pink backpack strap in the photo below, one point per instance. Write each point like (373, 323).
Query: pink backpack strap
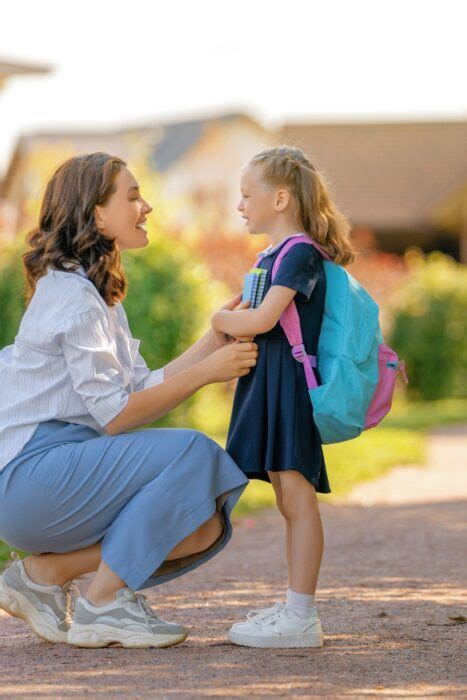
(290, 320)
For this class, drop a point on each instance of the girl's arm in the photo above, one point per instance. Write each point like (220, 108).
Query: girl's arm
(252, 322)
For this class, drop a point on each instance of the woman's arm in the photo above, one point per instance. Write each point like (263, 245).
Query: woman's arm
(252, 322)
(207, 344)
(142, 407)
(197, 352)
(99, 378)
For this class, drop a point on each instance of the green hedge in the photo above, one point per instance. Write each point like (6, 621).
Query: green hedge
(429, 327)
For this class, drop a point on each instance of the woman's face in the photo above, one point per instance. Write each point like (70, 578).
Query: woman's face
(123, 217)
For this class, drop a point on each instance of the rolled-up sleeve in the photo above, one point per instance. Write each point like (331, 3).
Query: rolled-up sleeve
(91, 358)
(144, 377)
(154, 377)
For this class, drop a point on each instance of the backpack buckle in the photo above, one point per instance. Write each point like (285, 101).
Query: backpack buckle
(299, 352)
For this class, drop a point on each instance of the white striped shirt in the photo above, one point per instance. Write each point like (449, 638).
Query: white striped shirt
(74, 359)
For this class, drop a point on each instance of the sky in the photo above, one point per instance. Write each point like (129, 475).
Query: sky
(118, 63)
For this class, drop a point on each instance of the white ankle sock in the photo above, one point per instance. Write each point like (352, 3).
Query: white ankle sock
(300, 603)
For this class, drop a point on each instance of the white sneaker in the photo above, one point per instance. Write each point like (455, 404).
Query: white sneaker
(259, 614)
(282, 629)
(128, 621)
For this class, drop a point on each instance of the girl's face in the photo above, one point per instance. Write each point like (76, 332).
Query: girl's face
(258, 202)
(123, 217)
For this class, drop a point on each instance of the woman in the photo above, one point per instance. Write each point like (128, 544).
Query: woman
(76, 488)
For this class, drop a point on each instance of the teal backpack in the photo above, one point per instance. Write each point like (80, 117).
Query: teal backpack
(357, 369)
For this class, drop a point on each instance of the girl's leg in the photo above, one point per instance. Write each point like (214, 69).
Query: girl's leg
(276, 484)
(300, 509)
(295, 624)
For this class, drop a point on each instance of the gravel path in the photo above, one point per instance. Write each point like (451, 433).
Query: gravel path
(390, 599)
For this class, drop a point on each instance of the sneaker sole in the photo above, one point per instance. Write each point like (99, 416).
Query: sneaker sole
(17, 605)
(289, 642)
(103, 636)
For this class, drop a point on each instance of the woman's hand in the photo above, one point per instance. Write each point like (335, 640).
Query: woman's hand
(233, 360)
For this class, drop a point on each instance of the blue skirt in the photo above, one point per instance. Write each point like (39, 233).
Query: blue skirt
(139, 493)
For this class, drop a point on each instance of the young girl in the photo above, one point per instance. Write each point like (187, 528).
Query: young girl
(272, 435)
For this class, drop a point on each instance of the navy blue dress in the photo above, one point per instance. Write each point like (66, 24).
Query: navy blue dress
(272, 426)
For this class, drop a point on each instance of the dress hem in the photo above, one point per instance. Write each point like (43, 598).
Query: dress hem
(262, 476)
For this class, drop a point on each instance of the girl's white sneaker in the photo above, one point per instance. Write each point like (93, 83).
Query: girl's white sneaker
(259, 614)
(281, 629)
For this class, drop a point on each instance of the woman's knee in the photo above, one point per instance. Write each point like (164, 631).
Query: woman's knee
(210, 531)
(200, 539)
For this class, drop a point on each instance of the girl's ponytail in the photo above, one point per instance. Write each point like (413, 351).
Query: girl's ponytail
(317, 213)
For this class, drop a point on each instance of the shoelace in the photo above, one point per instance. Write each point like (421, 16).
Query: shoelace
(272, 618)
(137, 602)
(275, 616)
(15, 556)
(72, 592)
(261, 614)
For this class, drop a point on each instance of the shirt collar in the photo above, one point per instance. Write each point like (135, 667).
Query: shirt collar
(79, 270)
(272, 249)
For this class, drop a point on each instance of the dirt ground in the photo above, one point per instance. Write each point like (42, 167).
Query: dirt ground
(391, 595)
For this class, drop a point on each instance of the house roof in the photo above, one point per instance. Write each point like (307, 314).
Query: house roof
(387, 175)
(167, 142)
(81, 141)
(178, 138)
(9, 68)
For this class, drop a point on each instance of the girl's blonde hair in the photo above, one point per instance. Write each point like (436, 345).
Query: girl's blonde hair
(317, 214)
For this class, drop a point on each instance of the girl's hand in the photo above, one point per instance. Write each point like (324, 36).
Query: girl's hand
(233, 360)
(235, 304)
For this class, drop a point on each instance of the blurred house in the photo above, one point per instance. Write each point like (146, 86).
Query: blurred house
(35, 158)
(8, 70)
(400, 184)
(198, 161)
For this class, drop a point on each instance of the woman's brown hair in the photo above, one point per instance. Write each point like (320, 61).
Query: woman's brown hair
(317, 214)
(67, 235)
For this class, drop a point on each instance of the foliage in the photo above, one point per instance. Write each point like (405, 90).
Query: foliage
(429, 326)
(169, 304)
(424, 415)
(381, 274)
(12, 289)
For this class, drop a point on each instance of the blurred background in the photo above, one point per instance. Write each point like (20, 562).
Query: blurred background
(188, 93)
